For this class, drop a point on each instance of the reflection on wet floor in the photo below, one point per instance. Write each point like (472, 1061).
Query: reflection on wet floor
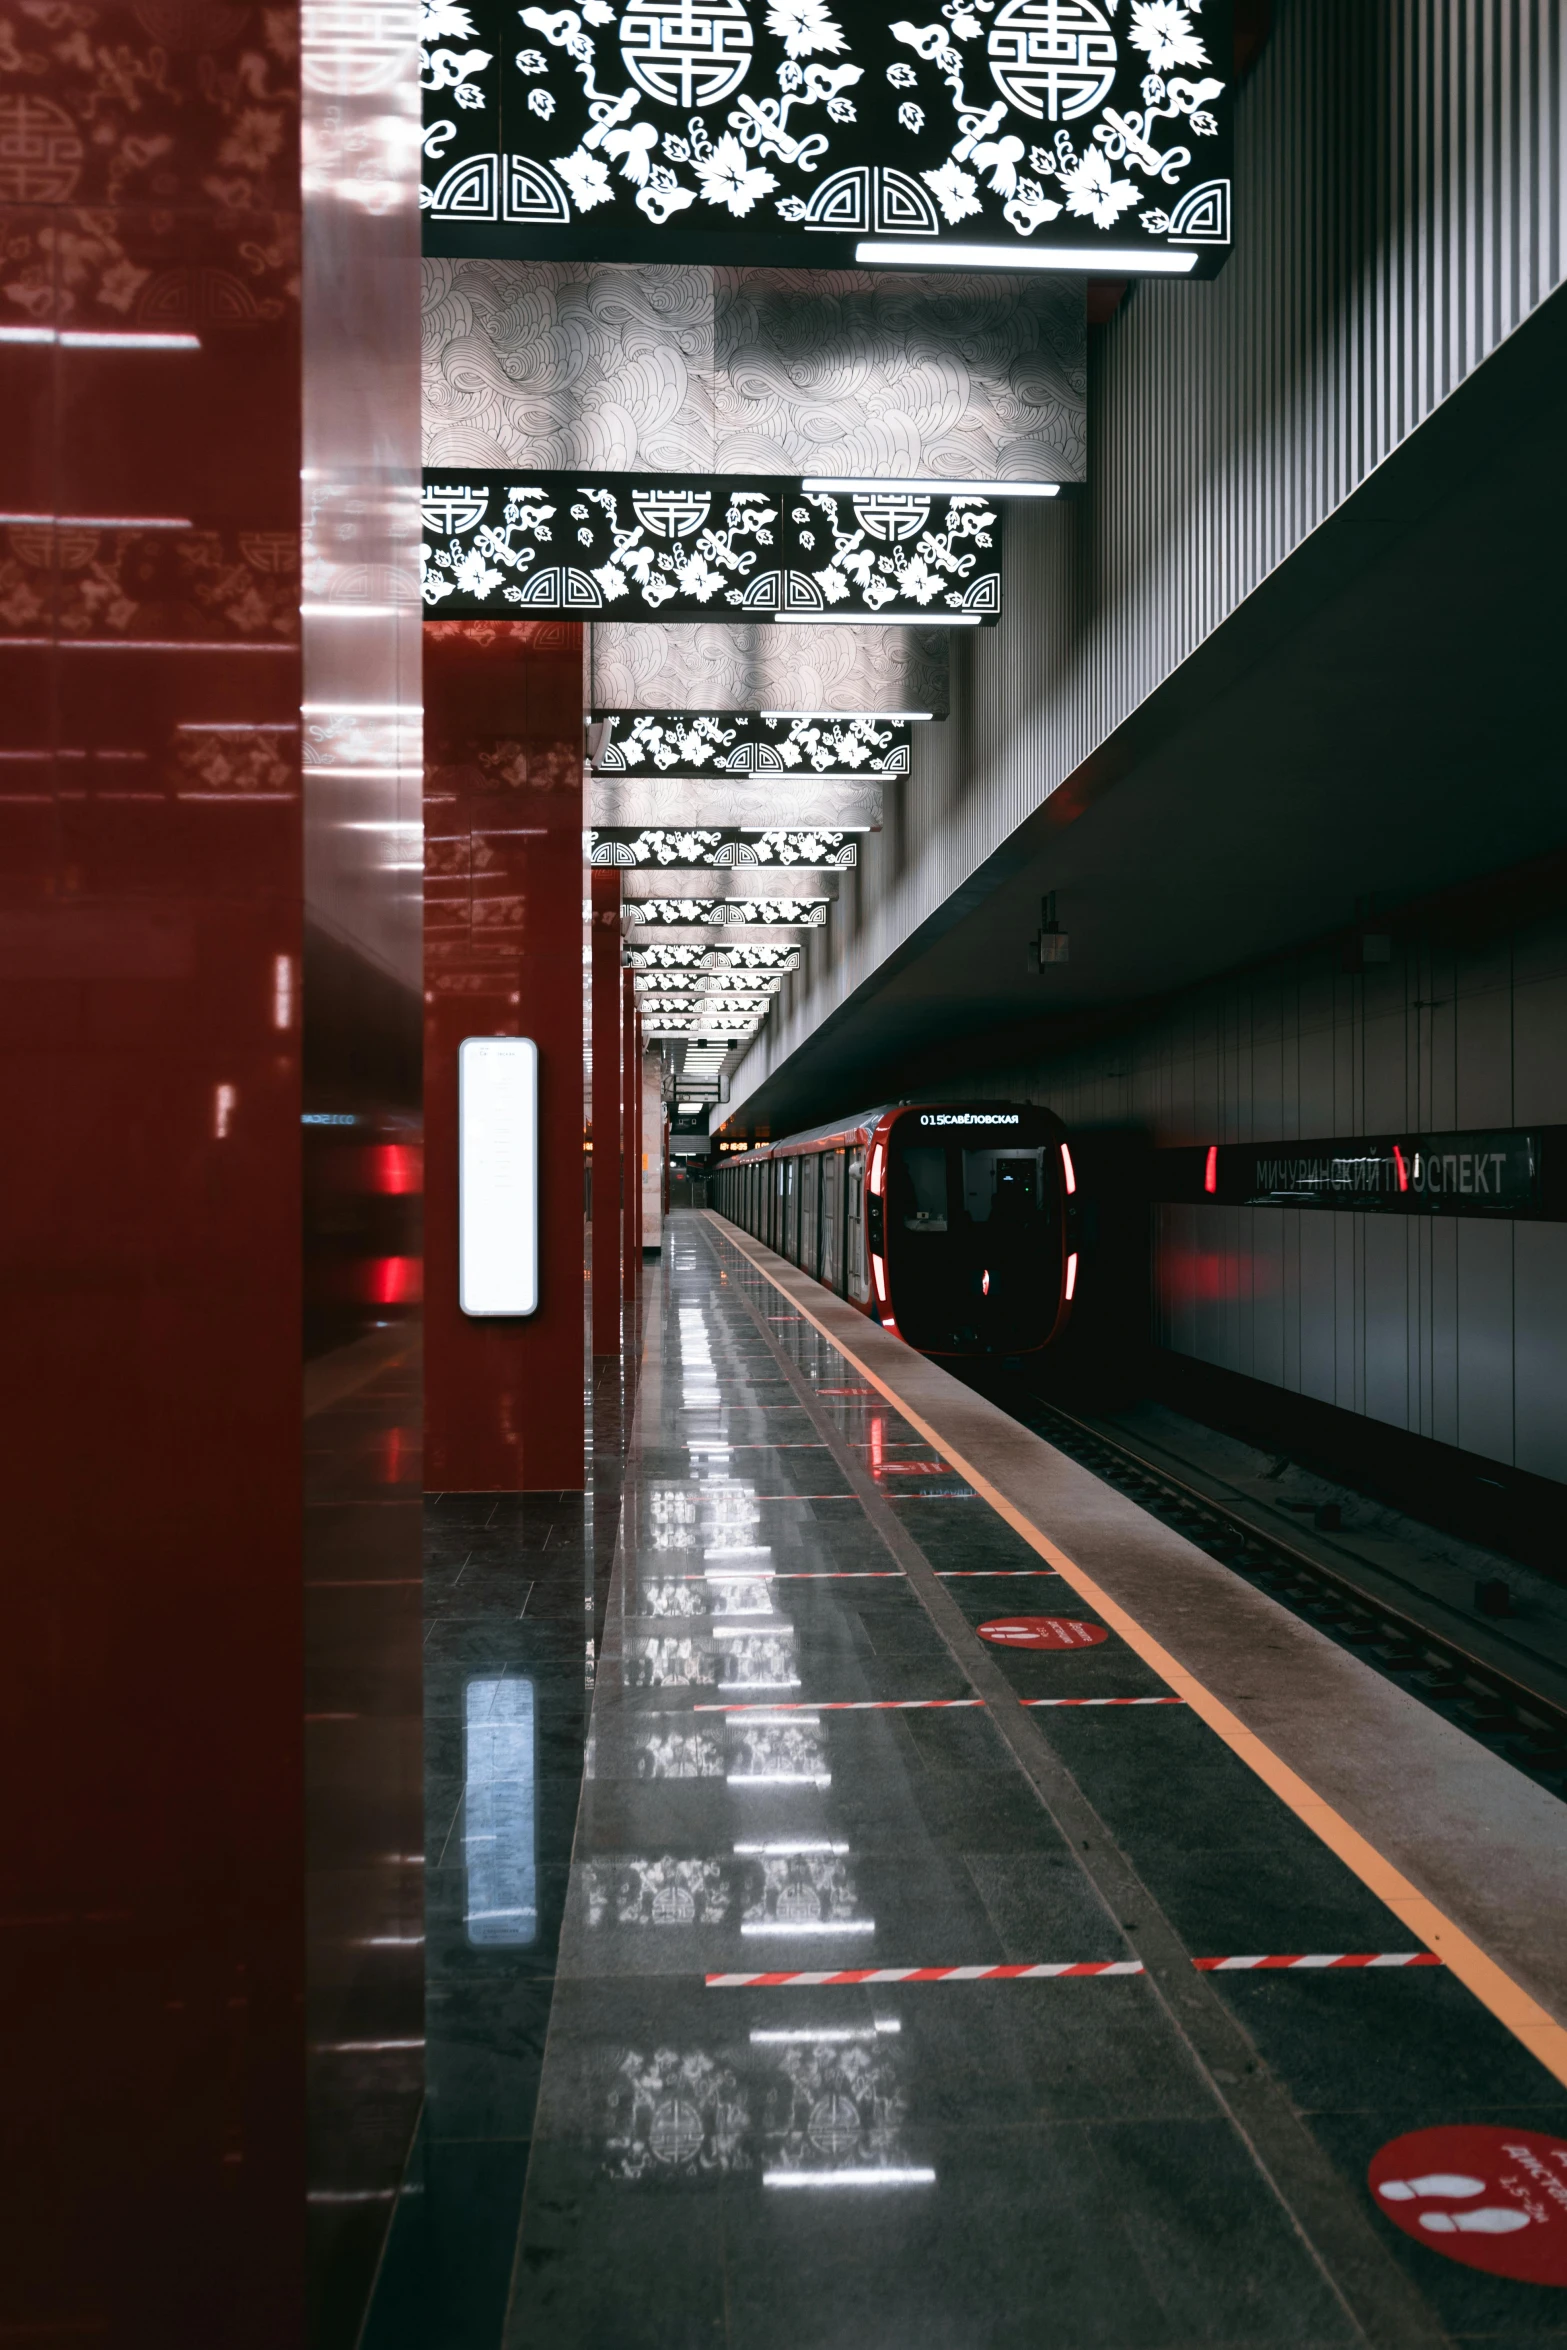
(798, 2087)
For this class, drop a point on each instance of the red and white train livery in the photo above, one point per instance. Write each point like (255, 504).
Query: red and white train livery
(952, 1224)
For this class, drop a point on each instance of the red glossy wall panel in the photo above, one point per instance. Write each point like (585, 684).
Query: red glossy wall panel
(610, 1193)
(150, 938)
(503, 957)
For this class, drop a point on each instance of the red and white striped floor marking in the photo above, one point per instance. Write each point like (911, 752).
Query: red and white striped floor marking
(1051, 1971)
(1277, 1961)
(841, 1705)
(930, 1974)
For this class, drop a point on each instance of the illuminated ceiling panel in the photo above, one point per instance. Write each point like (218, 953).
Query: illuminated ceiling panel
(791, 133)
(941, 377)
(677, 803)
(570, 545)
(720, 665)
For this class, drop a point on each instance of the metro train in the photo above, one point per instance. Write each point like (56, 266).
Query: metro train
(955, 1225)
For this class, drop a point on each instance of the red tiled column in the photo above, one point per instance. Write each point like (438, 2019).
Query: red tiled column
(503, 957)
(631, 1073)
(611, 1199)
(149, 1056)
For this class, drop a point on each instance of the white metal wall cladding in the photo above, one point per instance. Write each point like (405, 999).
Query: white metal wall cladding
(1401, 204)
(1452, 1329)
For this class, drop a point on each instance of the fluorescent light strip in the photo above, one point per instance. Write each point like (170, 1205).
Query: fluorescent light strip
(938, 489)
(849, 2178)
(877, 620)
(355, 611)
(778, 1779)
(1109, 259)
(834, 2032)
(788, 1848)
(83, 339)
(98, 521)
(878, 717)
(813, 1926)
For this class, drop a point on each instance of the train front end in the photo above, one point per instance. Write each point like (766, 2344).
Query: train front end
(972, 1227)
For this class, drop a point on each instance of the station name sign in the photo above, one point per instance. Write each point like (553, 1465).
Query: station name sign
(568, 545)
(804, 134)
(1500, 1171)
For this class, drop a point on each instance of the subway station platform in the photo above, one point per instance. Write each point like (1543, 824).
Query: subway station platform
(968, 1937)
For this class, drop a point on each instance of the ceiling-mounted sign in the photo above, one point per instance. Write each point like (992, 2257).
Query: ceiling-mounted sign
(692, 848)
(742, 743)
(565, 544)
(1075, 134)
(498, 1175)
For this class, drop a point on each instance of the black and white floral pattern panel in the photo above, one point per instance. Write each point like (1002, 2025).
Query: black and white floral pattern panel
(566, 545)
(786, 132)
(696, 849)
(948, 375)
(716, 913)
(694, 986)
(729, 742)
(755, 955)
(648, 665)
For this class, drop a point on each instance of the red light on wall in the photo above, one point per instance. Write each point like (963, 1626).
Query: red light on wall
(394, 1167)
(394, 1281)
(1210, 1172)
(1402, 1166)
(1071, 1275)
(1068, 1171)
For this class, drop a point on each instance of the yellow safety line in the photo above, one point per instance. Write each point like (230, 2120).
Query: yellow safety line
(1491, 1984)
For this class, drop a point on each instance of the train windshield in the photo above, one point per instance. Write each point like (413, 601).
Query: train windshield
(1005, 1185)
(974, 1242)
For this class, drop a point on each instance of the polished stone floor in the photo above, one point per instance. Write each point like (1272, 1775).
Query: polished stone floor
(802, 1761)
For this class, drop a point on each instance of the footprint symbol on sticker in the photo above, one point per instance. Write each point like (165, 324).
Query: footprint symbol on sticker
(1488, 2220)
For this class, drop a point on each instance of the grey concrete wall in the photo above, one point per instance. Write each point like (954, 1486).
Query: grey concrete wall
(1400, 211)
(1453, 1329)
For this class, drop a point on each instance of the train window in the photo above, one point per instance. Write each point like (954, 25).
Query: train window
(925, 1200)
(1006, 1184)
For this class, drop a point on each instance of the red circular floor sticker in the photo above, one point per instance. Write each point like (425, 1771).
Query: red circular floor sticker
(1494, 2199)
(1042, 1632)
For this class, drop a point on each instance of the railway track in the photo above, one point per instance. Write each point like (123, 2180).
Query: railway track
(1515, 1721)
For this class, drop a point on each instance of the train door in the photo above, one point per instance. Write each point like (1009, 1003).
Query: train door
(831, 1274)
(810, 1212)
(857, 1266)
(791, 1209)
